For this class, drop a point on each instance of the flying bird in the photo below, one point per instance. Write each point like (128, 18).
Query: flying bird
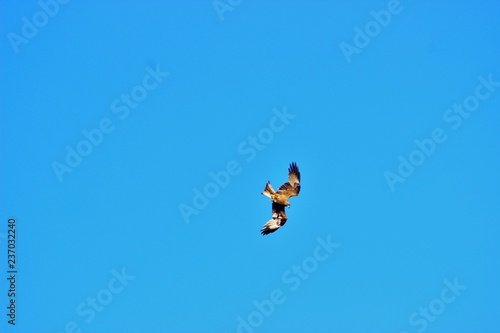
(280, 199)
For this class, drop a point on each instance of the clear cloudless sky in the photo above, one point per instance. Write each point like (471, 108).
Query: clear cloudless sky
(117, 116)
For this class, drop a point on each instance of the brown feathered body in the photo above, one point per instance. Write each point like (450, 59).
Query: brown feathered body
(287, 190)
(280, 199)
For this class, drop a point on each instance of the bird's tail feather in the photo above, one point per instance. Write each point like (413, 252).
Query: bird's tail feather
(268, 190)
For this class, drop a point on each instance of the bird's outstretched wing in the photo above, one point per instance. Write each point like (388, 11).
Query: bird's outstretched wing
(279, 219)
(292, 188)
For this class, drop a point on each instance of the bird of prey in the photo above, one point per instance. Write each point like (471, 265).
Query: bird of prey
(280, 199)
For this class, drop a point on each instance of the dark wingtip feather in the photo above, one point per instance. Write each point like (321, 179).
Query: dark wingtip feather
(294, 169)
(267, 231)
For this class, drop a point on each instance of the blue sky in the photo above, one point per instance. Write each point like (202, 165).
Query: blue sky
(136, 139)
